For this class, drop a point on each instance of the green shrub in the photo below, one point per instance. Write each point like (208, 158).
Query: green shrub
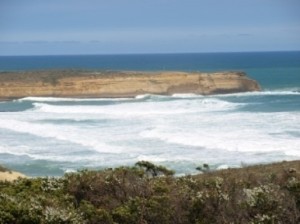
(146, 193)
(93, 215)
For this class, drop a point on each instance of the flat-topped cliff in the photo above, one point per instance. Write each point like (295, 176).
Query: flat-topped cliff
(83, 84)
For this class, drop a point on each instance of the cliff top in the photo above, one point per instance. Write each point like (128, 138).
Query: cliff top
(43, 75)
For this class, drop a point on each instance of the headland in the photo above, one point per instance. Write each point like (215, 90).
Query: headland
(118, 84)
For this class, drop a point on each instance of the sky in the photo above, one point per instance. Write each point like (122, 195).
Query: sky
(66, 27)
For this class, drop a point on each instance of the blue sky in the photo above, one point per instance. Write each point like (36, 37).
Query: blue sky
(54, 27)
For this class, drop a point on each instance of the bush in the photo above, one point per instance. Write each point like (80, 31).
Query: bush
(146, 193)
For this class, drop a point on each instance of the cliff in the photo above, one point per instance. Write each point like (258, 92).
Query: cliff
(119, 84)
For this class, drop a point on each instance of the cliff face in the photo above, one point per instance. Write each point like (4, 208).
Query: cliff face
(120, 84)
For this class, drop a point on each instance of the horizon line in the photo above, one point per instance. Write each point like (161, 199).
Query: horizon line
(158, 53)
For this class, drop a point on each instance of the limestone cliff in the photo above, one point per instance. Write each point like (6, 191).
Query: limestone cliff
(119, 84)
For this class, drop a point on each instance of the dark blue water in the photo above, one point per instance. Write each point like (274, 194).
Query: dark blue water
(271, 69)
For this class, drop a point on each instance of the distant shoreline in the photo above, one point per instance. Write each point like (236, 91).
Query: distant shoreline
(157, 53)
(119, 84)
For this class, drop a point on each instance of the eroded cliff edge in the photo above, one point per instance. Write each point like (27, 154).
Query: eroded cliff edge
(71, 83)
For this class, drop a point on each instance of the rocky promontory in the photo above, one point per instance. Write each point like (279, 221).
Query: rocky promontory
(104, 84)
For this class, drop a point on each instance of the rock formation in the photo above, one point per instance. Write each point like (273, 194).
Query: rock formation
(83, 84)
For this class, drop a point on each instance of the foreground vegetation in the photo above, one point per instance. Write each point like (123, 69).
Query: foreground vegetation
(150, 194)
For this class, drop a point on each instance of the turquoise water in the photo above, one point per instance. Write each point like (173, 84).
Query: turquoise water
(50, 136)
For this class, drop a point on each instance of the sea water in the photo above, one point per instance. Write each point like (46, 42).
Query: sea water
(50, 136)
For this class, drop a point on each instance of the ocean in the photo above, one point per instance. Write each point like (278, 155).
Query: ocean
(52, 136)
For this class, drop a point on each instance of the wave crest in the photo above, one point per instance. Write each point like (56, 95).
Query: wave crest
(147, 108)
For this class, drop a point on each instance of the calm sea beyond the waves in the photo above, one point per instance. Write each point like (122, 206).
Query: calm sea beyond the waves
(51, 136)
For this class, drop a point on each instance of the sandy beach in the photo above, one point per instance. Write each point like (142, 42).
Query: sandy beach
(10, 175)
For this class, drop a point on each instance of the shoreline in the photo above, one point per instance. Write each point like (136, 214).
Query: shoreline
(11, 175)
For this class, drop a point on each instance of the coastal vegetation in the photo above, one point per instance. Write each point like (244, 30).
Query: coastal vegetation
(148, 193)
(3, 169)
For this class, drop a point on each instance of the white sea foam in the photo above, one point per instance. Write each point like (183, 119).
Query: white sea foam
(68, 170)
(187, 95)
(143, 96)
(183, 130)
(62, 99)
(75, 135)
(22, 151)
(261, 93)
(151, 96)
(241, 132)
(293, 152)
(142, 109)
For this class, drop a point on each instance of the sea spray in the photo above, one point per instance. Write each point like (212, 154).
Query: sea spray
(180, 131)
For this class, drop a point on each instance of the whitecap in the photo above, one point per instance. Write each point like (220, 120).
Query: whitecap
(187, 95)
(135, 109)
(152, 97)
(62, 99)
(241, 132)
(143, 96)
(76, 135)
(262, 93)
